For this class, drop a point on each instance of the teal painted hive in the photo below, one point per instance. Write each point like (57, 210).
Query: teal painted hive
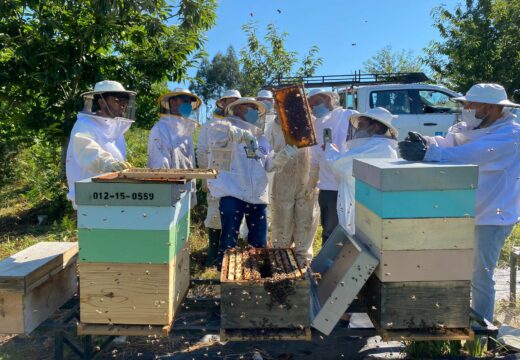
(132, 222)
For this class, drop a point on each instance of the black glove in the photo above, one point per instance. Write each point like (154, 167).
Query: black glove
(413, 148)
(415, 136)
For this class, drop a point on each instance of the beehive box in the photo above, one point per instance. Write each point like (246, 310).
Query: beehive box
(263, 289)
(418, 220)
(133, 257)
(34, 283)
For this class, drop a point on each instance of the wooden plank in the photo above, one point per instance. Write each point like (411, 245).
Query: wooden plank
(265, 304)
(129, 194)
(181, 280)
(304, 334)
(418, 305)
(22, 313)
(416, 204)
(246, 265)
(123, 330)
(344, 265)
(413, 234)
(11, 313)
(238, 266)
(424, 265)
(294, 263)
(112, 293)
(167, 174)
(231, 269)
(401, 175)
(28, 268)
(132, 217)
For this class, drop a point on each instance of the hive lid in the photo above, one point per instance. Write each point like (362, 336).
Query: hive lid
(31, 267)
(344, 264)
(402, 175)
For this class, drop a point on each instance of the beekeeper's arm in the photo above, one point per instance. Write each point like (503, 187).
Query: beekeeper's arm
(221, 133)
(91, 156)
(276, 161)
(159, 153)
(493, 152)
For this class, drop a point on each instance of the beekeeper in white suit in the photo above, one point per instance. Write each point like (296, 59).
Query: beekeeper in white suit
(373, 136)
(294, 198)
(489, 137)
(212, 221)
(170, 145)
(242, 183)
(325, 107)
(97, 143)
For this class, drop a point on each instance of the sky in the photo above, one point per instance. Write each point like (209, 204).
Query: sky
(333, 25)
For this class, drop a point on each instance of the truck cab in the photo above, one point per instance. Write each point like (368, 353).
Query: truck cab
(427, 109)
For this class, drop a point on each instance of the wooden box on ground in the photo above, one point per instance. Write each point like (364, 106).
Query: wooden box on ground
(34, 283)
(263, 289)
(148, 294)
(417, 305)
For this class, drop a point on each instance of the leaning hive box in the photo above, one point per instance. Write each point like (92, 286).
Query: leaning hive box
(263, 289)
(133, 256)
(418, 221)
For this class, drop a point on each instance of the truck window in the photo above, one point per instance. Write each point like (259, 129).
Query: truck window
(395, 101)
(436, 102)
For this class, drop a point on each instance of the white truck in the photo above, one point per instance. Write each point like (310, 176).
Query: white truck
(427, 109)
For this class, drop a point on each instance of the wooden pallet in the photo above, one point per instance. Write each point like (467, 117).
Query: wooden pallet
(288, 334)
(123, 329)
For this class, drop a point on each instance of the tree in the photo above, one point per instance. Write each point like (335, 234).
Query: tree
(53, 51)
(386, 61)
(214, 78)
(263, 62)
(479, 44)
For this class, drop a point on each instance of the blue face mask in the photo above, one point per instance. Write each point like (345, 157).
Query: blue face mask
(268, 105)
(320, 110)
(185, 110)
(251, 115)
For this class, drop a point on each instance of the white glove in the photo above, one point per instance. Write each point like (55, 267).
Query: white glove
(238, 135)
(114, 165)
(284, 155)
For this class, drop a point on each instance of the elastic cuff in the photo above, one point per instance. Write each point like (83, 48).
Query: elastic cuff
(433, 154)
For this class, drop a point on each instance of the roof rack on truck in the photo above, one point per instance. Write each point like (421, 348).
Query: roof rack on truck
(355, 79)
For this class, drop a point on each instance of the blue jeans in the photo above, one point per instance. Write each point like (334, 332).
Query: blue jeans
(489, 240)
(328, 200)
(232, 210)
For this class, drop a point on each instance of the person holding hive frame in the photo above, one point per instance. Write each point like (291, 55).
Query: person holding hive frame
(242, 185)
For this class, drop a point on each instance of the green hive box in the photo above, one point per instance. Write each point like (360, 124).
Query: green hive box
(132, 222)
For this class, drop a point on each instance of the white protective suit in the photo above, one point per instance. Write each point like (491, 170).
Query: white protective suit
(342, 163)
(496, 150)
(338, 121)
(294, 198)
(212, 220)
(170, 146)
(95, 144)
(246, 179)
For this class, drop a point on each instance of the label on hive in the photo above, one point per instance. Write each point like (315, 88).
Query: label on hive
(413, 234)
(129, 194)
(402, 175)
(132, 217)
(416, 204)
